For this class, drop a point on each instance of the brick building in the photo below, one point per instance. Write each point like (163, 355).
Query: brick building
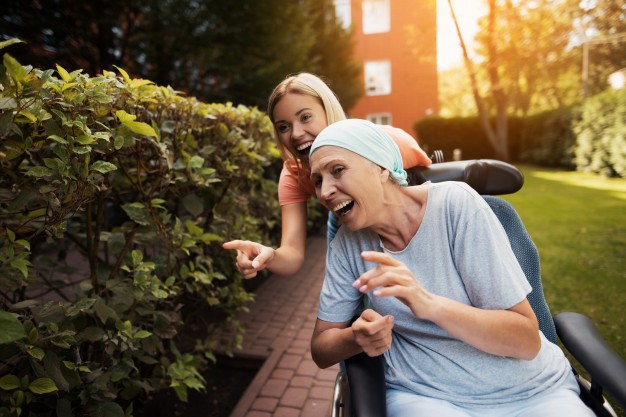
(396, 42)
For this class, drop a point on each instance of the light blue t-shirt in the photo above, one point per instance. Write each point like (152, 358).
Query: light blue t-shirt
(461, 252)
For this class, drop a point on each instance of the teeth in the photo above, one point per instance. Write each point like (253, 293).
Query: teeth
(304, 146)
(341, 205)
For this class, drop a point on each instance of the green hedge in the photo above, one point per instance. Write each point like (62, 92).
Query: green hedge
(465, 133)
(588, 137)
(548, 139)
(601, 133)
(143, 185)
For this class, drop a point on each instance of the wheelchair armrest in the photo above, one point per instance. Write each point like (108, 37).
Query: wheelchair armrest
(366, 376)
(486, 176)
(581, 338)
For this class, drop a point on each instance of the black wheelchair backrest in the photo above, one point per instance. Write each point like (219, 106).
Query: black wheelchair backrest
(486, 176)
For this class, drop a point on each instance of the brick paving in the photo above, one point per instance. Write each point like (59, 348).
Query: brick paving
(278, 329)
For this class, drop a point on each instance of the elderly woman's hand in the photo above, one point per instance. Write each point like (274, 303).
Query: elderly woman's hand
(372, 332)
(391, 278)
(251, 256)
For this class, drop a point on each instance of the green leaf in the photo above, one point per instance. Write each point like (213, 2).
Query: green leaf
(42, 386)
(137, 256)
(125, 117)
(118, 142)
(9, 382)
(85, 139)
(22, 305)
(196, 162)
(207, 238)
(142, 334)
(10, 42)
(93, 334)
(28, 115)
(124, 74)
(103, 167)
(82, 149)
(104, 312)
(64, 74)
(58, 139)
(193, 204)
(137, 213)
(141, 128)
(52, 365)
(39, 172)
(109, 409)
(12, 329)
(23, 243)
(7, 103)
(15, 69)
(35, 352)
(80, 306)
(21, 265)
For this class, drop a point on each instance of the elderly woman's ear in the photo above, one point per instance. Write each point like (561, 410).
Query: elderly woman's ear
(384, 175)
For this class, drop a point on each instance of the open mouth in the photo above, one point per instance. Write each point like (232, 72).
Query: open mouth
(303, 150)
(344, 208)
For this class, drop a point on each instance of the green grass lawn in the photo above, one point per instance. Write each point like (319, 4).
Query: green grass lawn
(578, 222)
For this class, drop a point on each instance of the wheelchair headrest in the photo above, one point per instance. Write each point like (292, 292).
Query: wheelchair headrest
(486, 176)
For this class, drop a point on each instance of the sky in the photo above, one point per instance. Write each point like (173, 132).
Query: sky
(450, 54)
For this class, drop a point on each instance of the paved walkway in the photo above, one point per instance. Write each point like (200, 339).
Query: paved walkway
(279, 327)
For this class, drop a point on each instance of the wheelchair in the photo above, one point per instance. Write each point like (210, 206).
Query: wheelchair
(360, 388)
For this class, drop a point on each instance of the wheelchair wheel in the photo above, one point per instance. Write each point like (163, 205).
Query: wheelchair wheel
(341, 397)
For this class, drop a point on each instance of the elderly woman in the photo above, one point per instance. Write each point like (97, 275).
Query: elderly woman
(447, 296)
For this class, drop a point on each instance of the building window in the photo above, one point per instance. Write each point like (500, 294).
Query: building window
(376, 16)
(377, 78)
(380, 118)
(343, 12)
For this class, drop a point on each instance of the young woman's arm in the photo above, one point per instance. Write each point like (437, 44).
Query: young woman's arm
(288, 258)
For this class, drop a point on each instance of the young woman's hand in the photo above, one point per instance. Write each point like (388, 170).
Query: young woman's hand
(251, 256)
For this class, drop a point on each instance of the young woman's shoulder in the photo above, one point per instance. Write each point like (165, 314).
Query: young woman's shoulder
(409, 148)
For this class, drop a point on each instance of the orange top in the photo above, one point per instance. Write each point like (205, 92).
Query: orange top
(291, 191)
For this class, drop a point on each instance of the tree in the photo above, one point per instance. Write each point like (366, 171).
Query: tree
(332, 54)
(215, 50)
(601, 28)
(526, 64)
(497, 137)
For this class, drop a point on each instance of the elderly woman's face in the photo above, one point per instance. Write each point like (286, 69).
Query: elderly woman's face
(347, 184)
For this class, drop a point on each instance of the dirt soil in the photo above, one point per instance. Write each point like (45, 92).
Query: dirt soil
(225, 382)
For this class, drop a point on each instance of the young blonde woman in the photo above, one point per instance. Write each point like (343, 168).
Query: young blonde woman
(299, 108)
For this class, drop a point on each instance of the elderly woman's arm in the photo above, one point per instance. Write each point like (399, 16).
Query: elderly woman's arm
(334, 342)
(513, 332)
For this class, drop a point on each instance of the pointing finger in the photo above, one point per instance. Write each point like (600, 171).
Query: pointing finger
(379, 258)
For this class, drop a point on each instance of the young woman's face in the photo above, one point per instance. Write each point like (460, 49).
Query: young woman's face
(348, 185)
(298, 119)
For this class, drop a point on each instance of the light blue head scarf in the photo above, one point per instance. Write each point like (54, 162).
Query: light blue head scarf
(366, 139)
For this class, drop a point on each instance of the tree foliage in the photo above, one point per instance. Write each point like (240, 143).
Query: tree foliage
(539, 53)
(602, 24)
(216, 50)
(530, 57)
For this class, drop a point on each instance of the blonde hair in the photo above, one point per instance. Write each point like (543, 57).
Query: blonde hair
(311, 85)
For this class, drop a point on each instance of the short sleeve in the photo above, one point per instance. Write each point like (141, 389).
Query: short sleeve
(291, 191)
(409, 149)
(339, 301)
